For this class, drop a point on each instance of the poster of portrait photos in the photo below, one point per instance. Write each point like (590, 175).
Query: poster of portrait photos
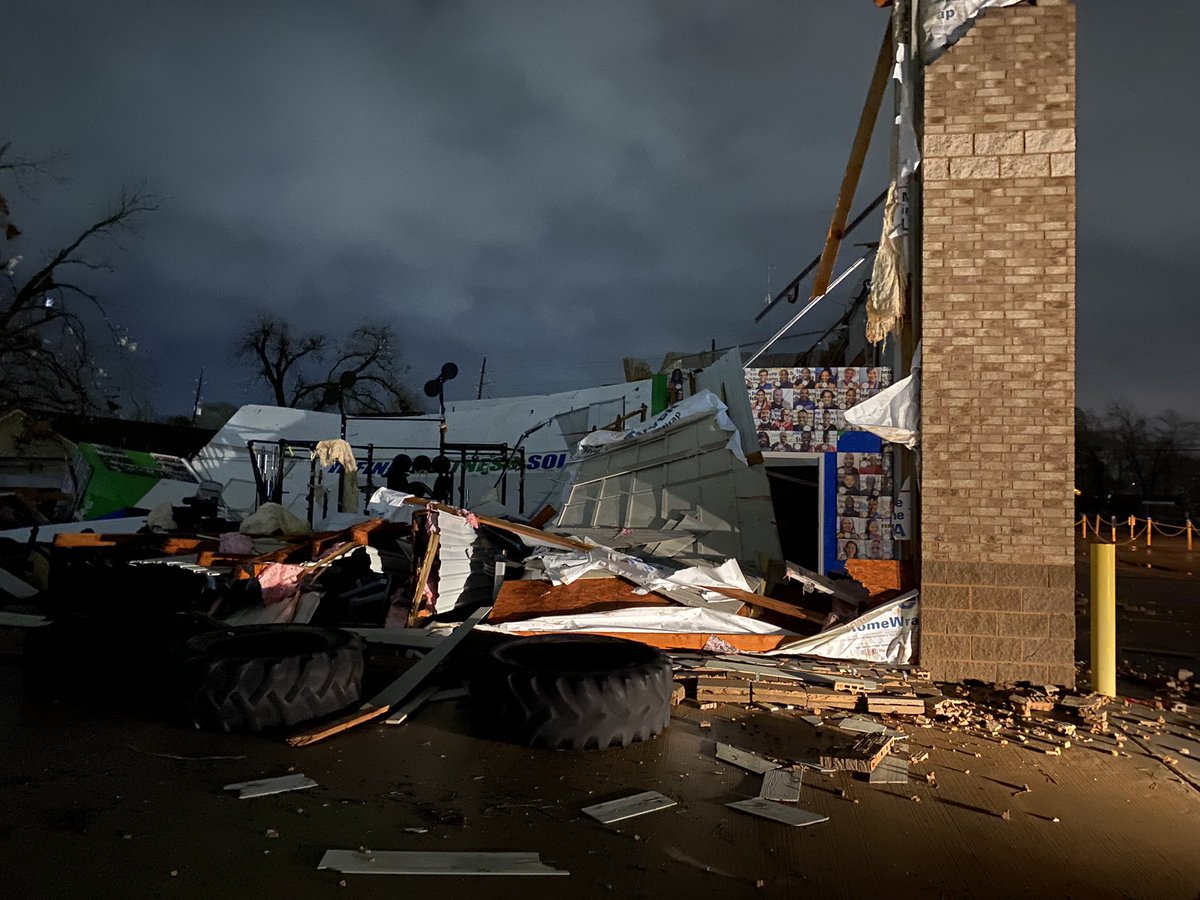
(864, 506)
(804, 409)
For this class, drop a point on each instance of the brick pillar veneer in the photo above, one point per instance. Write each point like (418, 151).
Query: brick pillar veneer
(998, 329)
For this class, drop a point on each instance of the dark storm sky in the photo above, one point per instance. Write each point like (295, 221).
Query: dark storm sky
(553, 184)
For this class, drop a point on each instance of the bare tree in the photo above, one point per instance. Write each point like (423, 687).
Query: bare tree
(45, 356)
(1148, 452)
(279, 356)
(362, 374)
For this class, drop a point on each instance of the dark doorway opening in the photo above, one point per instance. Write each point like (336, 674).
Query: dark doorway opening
(796, 499)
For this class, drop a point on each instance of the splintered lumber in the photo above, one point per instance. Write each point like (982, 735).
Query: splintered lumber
(398, 691)
(792, 694)
(722, 690)
(1085, 706)
(901, 706)
(758, 600)
(863, 755)
(858, 154)
(431, 555)
(1024, 704)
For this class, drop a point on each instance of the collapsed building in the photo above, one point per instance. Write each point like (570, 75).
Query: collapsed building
(711, 507)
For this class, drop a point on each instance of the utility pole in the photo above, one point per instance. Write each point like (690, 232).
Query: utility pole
(199, 388)
(482, 369)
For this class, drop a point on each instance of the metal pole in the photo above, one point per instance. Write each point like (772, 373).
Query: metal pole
(1149, 531)
(811, 303)
(1104, 619)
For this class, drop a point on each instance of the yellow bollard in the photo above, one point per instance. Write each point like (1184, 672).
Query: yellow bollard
(1113, 523)
(1104, 619)
(1149, 531)
(1189, 534)
(1132, 522)
(1096, 527)
(1083, 526)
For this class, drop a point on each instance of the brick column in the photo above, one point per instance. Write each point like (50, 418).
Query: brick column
(998, 329)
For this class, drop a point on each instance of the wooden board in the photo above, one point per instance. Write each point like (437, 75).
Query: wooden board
(883, 578)
(863, 755)
(519, 600)
(398, 691)
(418, 597)
(900, 706)
(858, 154)
(722, 690)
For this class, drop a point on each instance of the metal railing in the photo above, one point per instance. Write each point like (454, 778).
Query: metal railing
(269, 462)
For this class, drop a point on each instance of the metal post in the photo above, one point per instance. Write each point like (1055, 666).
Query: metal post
(1104, 619)
(370, 479)
(1132, 523)
(277, 490)
(1189, 535)
(1149, 531)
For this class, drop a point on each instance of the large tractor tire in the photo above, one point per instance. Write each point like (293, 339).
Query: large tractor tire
(267, 676)
(573, 692)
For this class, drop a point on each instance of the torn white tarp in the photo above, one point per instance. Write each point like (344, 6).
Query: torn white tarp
(889, 274)
(885, 634)
(702, 403)
(945, 22)
(389, 505)
(645, 620)
(270, 518)
(566, 566)
(895, 412)
(908, 146)
(338, 451)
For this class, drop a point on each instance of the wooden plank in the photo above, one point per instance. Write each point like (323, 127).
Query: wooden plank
(436, 862)
(777, 812)
(761, 602)
(861, 756)
(901, 706)
(744, 759)
(398, 690)
(723, 690)
(528, 599)
(799, 695)
(781, 785)
(883, 578)
(628, 807)
(401, 713)
(858, 154)
(418, 598)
